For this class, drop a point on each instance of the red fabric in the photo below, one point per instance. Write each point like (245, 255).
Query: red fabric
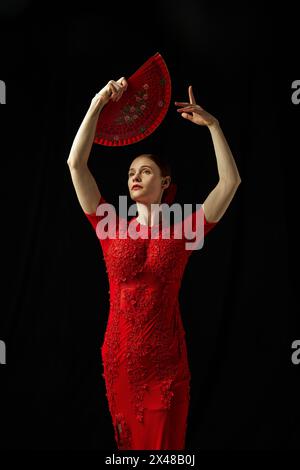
(144, 352)
(141, 109)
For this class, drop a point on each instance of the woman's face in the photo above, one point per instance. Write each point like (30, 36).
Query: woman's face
(145, 173)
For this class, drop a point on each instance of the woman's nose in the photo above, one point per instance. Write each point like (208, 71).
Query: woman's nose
(136, 177)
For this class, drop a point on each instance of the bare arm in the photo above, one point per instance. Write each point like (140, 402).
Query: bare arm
(84, 183)
(220, 197)
(86, 188)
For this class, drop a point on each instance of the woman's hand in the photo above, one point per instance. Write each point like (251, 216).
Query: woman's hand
(112, 91)
(194, 112)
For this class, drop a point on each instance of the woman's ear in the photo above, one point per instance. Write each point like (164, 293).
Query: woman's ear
(166, 182)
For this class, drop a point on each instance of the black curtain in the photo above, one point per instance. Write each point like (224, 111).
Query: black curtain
(237, 293)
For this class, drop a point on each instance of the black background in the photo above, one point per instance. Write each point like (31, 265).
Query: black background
(237, 293)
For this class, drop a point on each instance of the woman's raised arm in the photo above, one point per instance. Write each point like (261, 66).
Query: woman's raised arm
(218, 200)
(84, 183)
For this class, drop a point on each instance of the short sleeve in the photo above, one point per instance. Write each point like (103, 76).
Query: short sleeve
(93, 217)
(102, 229)
(196, 227)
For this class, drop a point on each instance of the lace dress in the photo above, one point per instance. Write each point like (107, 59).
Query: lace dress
(144, 354)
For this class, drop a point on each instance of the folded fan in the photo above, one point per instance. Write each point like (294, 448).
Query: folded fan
(140, 110)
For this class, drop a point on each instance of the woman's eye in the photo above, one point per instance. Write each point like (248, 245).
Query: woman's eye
(131, 174)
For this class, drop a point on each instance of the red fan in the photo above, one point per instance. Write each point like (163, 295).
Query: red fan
(141, 108)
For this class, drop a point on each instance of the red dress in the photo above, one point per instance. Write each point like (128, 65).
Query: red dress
(144, 354)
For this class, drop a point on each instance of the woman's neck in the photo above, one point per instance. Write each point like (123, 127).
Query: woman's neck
(146, 216)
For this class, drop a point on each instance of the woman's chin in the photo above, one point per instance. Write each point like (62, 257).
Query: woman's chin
(139, 199)
(136, 196)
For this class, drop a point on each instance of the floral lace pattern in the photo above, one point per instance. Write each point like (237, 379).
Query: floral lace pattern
(164, 258)
(147, 355)
(144, 334)
(146, 276)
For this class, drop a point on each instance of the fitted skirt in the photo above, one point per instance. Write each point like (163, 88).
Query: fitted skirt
(143, 419)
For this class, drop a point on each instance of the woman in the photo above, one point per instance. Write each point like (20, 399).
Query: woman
(144, 352)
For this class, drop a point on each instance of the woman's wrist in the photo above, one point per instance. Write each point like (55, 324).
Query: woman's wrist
(214, 125)
(97, 104)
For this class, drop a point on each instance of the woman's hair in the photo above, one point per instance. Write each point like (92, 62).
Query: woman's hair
(161, 162)
(165, 170)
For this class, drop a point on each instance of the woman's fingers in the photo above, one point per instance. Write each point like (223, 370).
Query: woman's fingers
(113, 89)
(181, 103)
(116, 93)
(119, 87)
(187, 108)
(123, 82)
(191, 95)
